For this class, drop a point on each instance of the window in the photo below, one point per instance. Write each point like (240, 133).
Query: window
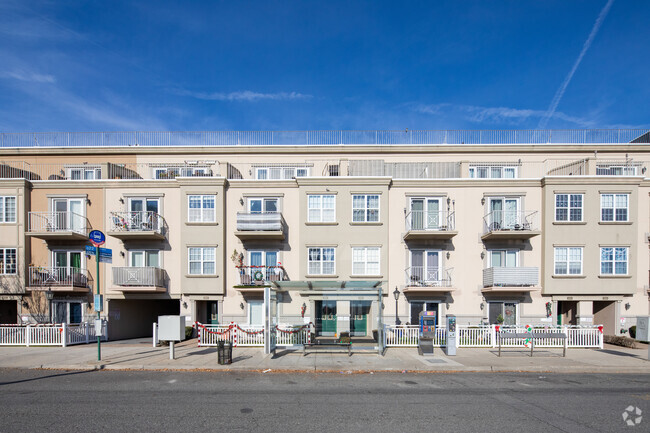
(425, 268)
(503, 258)
(505, 214)
(7, 261)
(68, 312)
(492, 172)
(321, 261)
(321, 208)
(84, 173)
(262, 205)
(502, 313)
(281, 172)
(365, 261)
(568, 207)
(7, 209)
(365, 208)
(426, 214)
(202, 260)
(174, 172)
(201, 208)
(568, 261)
(146, 258)
(615, 170)
(614, 207)
(613, 260)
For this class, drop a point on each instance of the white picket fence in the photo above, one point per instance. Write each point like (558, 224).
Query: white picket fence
(251, 335)
(49, 335)
(485, 336)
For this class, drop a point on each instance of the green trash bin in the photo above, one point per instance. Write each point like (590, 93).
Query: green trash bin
(224, 352)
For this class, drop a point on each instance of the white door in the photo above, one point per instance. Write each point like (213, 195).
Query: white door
(256, 313)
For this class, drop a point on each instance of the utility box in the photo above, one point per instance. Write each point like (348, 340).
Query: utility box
(450, 347)
(643, 328)
(171, 328)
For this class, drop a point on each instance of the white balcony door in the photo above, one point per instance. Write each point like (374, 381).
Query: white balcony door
(425, 266)
(425, 214)
(67, 264)
(143, 211)
(504, 213)
(264, 261)
(262, 205)
(69, 214)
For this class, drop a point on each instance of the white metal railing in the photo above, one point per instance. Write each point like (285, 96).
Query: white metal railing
(54, 276)
(147, 276)
(518, 276)
(137, 221)
(50, 334)
(430, 277)
(254, 275)
(251, 335)
(430, 221)
(59, 221)
(501, 220)
(266, 221)
(485, 336)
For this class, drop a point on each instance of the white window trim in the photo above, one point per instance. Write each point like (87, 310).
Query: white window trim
(4, 261)
(365, 261)
(504, 251)
(282, 170)
(95, 169)
(68, 251)
(201, 208)
(321, 208)
(321, 262)
(627, 261)
(160, 257)
(614, 208)
(201, 261)
(502, 168)
(365, 214)
(569, 207)
(3, 219)
(507, 301)
(568, 261)
(249, 201)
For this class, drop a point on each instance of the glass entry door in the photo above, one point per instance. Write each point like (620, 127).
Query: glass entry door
(504, 213)
(425, 214)
(418, 307)
(326, 318)
(68, 267)
(213, 312)
(143, 213)
(359, 311)
(425, 267)
(68, 214)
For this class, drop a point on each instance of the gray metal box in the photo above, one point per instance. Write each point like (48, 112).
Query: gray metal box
(643, 328)
(171, 328)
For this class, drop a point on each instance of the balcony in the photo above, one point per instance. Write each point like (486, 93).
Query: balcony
(505, 279)
(66, 226)
(421, 280)
(422, 225)
(261, 275)
(139, 279)
(260, 226)
(137, 226)
(510, 225)
(59, 279)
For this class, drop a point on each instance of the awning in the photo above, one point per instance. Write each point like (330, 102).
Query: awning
(328, 286)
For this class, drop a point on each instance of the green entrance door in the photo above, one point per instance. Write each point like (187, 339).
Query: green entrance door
(359, 311)
(326, 318)
(213, 313)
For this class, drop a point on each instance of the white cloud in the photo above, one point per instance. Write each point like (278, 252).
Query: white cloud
(28, 76)
(244, 95)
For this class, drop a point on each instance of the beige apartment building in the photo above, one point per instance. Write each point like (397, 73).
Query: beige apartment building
(512, 227)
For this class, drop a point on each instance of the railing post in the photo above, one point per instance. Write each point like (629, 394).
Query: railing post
(600, 339)
(493, 336)
(87, 332)
(155, 334)
(28, 335)
(234, 334)
(64, 334)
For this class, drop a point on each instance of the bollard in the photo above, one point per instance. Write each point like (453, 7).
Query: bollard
(171, 350)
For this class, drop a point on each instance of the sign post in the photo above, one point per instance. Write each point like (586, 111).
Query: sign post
(97, 238)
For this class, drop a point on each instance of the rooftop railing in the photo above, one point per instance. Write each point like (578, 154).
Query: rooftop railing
(369, 137)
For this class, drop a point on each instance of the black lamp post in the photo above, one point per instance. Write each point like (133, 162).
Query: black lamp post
(49, 295)
(396, 295)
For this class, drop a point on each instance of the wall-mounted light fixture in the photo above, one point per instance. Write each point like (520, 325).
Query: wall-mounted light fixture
(627, 306)
(184, 304)
(241, 305)
(121, 200)
(448, 255)
(483, 201)
(122, 254)
(482, 255)
(448, 201)
(482, 305)
(241, 201)
(88, 202)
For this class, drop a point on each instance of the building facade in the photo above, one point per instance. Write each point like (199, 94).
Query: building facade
(496, 228)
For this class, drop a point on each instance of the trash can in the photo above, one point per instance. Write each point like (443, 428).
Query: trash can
(224, 352)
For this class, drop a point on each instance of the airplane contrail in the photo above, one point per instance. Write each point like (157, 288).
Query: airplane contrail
(560, 92)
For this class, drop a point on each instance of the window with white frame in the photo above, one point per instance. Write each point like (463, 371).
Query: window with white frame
(568, 260)
(503, 258)
(273, 173)
(7, 209)
(84, 173)
(144, 258)
(321, 261)
(614, 207)
(365, 261)
(613, 260)
(174, 172)
(8, 261)
(365, 208)
(202, 260)
(201, 208)
(502, 313)
(568, 207)
(321, 208)
(615, 170)
(492, 172)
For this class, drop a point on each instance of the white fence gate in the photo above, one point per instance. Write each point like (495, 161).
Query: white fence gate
(50, 335)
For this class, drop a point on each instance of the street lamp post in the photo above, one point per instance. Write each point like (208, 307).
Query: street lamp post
(49, 295)
(396, 295)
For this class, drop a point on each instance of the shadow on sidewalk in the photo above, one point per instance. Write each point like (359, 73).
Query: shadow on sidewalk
(70, 373)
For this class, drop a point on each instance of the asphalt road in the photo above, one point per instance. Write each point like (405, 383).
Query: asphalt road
(188, 402)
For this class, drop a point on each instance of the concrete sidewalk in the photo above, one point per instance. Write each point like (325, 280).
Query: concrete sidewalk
(140, 355)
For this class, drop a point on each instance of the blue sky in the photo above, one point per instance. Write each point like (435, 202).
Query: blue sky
(287, 65)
